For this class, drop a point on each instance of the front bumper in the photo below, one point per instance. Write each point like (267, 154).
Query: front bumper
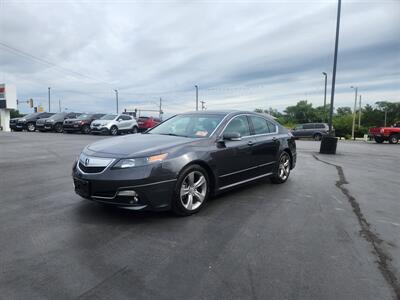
(20, 126)
(154, 188)
(72, 127)
(98, 129)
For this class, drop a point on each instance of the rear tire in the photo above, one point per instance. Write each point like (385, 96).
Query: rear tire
(134, 130)
(394, 139)
(191, 191)
(283, 169)
(379, 140)
(317, 137)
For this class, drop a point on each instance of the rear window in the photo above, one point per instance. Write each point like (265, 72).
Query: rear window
(319, 125)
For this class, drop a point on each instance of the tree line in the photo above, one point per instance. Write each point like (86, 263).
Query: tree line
(371, 116)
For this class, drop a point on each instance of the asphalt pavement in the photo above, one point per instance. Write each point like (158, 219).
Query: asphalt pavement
(330, 232)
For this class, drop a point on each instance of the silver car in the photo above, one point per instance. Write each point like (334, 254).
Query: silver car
(113, 124)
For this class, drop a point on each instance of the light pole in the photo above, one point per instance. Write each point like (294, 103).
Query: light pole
(385, 117)
(359, 114)
(326, 81)
(49, 97)
(197, 97)
(116, 98)
(334, 66)
(354, 111)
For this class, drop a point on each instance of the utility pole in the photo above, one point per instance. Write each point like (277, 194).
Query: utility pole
(385, 117)
(334, 66)
(160, 114)
(354, 111)
(326, 81)
(197, 97)
(202, 105)
(116, 98)
(359, 114)
(49, 97)
(59, 105)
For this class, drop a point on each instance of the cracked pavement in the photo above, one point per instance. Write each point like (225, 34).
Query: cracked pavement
(299, 240)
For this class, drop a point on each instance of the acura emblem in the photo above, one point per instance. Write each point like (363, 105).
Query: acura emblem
(87, 162)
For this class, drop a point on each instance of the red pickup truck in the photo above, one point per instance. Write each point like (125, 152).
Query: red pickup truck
(381, 134)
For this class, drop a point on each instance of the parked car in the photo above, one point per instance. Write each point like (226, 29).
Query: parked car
(113, 124)
(311, 130)
(81, 123)
(146, 123)
(28, 122)
(381, 134)
(13, 124)
(55, 122)
(181, 162)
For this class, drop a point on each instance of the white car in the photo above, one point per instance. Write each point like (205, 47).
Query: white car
(113, 124)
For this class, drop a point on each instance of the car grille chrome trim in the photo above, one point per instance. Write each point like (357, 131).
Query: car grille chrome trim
(244, 181)
(248, 169)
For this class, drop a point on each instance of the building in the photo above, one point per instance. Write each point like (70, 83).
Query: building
(8, 101)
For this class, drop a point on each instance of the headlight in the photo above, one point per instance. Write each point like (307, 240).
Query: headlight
(137, 162)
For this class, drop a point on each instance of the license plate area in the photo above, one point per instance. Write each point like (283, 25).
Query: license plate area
(82, 187)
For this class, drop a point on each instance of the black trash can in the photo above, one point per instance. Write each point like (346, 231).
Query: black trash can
(328, 145)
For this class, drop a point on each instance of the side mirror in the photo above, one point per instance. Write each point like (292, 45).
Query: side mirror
(231, 136)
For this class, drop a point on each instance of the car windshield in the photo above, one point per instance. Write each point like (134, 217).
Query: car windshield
(193, 126)
(30, 115)
(108, 117)
(57, 116)
(84, 116)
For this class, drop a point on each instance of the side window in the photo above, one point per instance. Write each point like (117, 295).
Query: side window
(308, 126)
(239, 125)
(260, 125)
(271, 126)
(299, 127)
(126, 118)
(320, 126)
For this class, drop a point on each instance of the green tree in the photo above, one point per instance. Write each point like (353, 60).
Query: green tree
(302, 112)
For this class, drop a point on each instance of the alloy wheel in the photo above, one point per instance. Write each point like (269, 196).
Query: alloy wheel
(31, 127)
(284, 167)
(114, 130)
(193, 190)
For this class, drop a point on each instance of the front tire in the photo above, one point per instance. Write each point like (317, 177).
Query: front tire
(191, 191)
(283, 171)
(379, 140)
(86, 129)
(114, 130)
(394, 139)
(134, 130)
(31, 127)
(58, 128)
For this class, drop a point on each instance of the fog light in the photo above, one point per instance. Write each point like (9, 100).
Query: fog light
(130, 193)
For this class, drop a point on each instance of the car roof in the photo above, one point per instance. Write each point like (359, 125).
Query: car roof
(229, 112)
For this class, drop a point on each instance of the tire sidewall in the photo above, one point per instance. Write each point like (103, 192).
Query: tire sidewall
(394, 139)
(176, 204)
(317, 137)
(276, 178)
(58, 128)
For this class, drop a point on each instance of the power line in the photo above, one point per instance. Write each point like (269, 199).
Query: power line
(48, 63)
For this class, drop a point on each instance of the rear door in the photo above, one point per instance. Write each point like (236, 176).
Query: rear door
(266, 144)
(309, 130)
(126, 122)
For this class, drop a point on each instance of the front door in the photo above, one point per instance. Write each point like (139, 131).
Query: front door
(234, 159)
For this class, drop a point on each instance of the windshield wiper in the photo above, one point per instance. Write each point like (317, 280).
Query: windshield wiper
(173, 134)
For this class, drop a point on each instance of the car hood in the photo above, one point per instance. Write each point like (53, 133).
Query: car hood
(102, 122)
(134, 145)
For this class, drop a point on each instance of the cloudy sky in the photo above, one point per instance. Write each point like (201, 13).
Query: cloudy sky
(241, 54)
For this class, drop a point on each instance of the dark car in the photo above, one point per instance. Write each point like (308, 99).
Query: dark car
(55, 122)
(180, 163)
(81, 123)
(311, 130)
(145, 123)
(28, 122)
(13, 124)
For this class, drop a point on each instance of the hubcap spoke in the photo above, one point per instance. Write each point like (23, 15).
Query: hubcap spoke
(199, 182)
(189, 204)
(184, 191)
(199, 196)
(191, 178)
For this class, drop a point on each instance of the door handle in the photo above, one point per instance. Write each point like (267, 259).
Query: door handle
(250, 143)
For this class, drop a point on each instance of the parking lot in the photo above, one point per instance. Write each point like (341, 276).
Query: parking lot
(330, 232)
